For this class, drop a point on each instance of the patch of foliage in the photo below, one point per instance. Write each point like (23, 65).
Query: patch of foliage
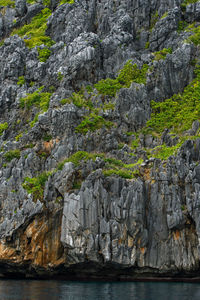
(79, 156)
(164, 15)
(108, 87)
(44, 54)
(154, 20)
(35, 185)
(162, 53)
(195, 37)
(130, 73)
(35, 120)
(127, 174)
(47, 137)
(10, 3)
(34, 32)
(21, 80)
(38, 98)
(65, 101)
(67, 1)
(3, 126)
(79, 100)
(186, 2)
(112, 166)
(91, 123)
(18, 137)
(181, 25)
(177, 113)
(60, 76)
(10, 155)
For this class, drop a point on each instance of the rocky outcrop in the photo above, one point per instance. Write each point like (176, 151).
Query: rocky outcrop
(64, 215)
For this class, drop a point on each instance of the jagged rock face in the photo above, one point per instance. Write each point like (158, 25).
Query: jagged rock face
(106, 226)
(152, 222)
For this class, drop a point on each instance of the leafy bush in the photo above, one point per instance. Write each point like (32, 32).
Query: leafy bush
(44, 54)
(60, 76)
(79, 156)
(37, 99)
(35, 30)
(66, 1)
(162, 53)
(21, 80)
(179, 112)
(92, 123)
(122, 173)
(130, 73)
(108, 87)
(186, 2)
(10, 155)
(32, 123)
(7, 3)
(65, 101)
(18, 137)
(36, 185)
(3, 126)
(195, 37)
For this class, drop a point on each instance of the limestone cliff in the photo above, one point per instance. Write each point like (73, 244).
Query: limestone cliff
(96, 179)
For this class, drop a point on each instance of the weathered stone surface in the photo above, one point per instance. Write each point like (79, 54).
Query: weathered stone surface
(81, 222)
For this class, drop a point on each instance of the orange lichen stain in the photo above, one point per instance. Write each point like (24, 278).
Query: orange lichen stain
(7, 252)
(176, 235)
(142, 250)
(38, 244)
(48, 146)
(146, 174)
(130, 242)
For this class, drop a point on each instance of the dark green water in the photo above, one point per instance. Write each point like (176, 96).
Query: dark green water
(67, 290)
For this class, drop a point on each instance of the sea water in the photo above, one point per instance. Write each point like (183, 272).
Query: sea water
(74, 290)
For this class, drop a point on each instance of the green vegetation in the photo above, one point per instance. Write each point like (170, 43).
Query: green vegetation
(154, 20)
(186, 2)
(66, 1)
(122, 173)
(163, 152)
(92, 122)
(18, 137)
(79, 100)
(60, 76)
(195, 37)
(79, 156)
(181, 26)
(10, 155)
(3, 126)
(35, 30)
(35, 120)
(21, 80)
(130, 73)
(47, 137)
(108, 87)
(65, 101)
(44, 54)
(162, 53)
(35, 185)
(164, 15)
(34, 33)
(38, 98)
(112, 166)
(7, 3)
(179, 112)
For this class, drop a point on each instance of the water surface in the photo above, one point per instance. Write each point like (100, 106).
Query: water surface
(67, 290)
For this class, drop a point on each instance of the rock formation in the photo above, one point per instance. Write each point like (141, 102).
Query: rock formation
(96, 180)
